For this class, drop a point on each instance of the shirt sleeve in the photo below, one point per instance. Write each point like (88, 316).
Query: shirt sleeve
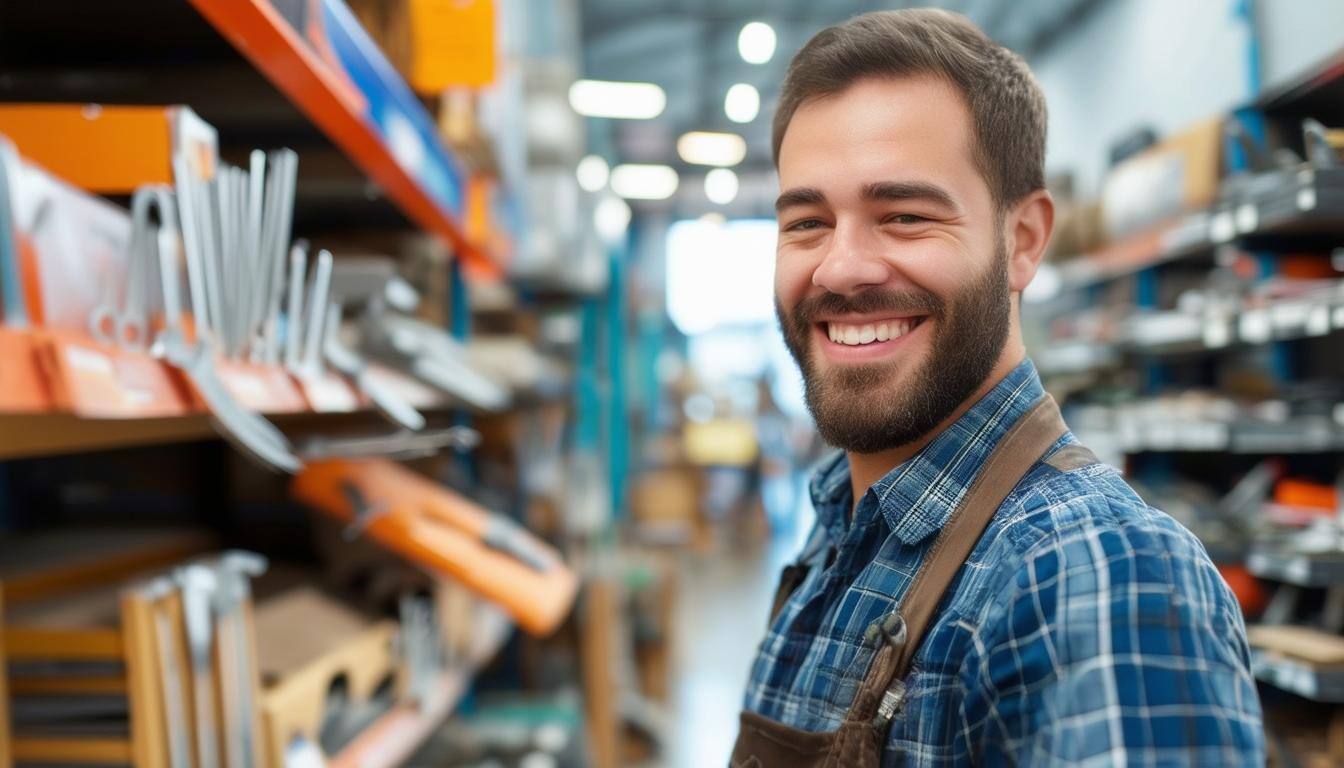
(1118, 645)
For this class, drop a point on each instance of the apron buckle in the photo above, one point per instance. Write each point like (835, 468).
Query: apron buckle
(890, 628)
(891, 702)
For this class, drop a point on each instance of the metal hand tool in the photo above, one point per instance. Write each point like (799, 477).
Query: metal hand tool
(286, 164)
(434, 357)
(132, 323)
(13, 310)
(207, 209)
(385, 399)
(298, 265)
(399, 445)
(1319, 151)
(318, 296)
(253, 276)
(233, 570)
(248, 431)
(197, 583)
(193, 237)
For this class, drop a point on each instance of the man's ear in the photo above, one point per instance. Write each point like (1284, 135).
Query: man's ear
(1029, 225)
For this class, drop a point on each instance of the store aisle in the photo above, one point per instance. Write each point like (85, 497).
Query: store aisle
(721, 614)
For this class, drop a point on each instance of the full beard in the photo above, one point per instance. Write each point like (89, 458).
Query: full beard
(860, 408)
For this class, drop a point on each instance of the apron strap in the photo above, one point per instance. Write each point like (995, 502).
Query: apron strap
(1019, 450)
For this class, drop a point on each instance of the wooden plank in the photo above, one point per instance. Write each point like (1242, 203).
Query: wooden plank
(83, 562)
(50, 434)
(23, 644)
(149, 739)
(1310, 645)
(47, 686)
(395, 736)
(6, 760)
(598, 654)
(92, 751)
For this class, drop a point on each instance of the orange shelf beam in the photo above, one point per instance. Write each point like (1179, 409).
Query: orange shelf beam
(265, 39)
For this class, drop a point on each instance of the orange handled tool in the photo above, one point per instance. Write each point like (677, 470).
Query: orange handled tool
(444, 533)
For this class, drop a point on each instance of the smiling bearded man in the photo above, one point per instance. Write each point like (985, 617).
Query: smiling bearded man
(978, 588)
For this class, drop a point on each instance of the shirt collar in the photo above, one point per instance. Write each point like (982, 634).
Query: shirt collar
(917, 497)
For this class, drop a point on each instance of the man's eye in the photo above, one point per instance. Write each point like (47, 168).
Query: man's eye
(803, 225)
(907, 219)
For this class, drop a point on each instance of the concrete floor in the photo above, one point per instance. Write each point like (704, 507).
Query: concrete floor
(724, 599)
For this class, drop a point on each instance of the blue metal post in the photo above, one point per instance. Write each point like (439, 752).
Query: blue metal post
(459, 321)
(618, 451)
(1253, 121)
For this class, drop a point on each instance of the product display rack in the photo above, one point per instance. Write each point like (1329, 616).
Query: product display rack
(1142, 345)
(373, 165)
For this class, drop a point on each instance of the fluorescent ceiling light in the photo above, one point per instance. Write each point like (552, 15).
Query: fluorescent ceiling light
(705, 148)
(742, 104)
(756, 42)
(721, 186)
(629, 101)
(611, 217)
(592, 173)
(644, 182)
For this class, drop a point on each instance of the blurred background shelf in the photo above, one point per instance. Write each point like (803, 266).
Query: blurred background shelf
(395, 736)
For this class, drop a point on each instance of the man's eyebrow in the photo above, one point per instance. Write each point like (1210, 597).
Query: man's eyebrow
(799, 196)
(909, 190)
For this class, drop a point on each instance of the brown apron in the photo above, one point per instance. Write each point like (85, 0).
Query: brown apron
(764, 743)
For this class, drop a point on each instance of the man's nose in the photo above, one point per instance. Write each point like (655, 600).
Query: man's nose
(853, 262)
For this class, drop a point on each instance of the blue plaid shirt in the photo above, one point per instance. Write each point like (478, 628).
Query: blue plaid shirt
(1086, 628)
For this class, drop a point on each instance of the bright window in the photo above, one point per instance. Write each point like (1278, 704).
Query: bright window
(720, 274)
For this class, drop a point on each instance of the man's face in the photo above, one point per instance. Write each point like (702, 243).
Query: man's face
(891, 278)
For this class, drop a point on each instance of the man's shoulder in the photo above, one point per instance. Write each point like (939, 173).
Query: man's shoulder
(1084, 513)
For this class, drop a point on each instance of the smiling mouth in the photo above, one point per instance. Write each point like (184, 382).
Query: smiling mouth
(860, 334)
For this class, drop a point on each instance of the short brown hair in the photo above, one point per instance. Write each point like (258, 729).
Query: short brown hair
(1006, 105)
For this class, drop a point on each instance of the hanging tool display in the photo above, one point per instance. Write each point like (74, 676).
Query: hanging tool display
(446, 534)
(432, 356)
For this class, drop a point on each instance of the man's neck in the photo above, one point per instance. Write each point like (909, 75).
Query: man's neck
(867, 468)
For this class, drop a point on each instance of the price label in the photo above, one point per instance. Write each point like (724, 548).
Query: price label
(1222, 228)
(1248, 218)
(1255, 327)
(1306, 199)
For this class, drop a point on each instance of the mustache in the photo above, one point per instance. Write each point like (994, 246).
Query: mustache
(871, 301)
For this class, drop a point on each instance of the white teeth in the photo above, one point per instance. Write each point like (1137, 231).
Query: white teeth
(856, 335)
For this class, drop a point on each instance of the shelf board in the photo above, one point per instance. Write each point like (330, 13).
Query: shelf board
(1283, 319)
(1317, 92)
(1298, 568)
(1177, 239)
(1323, 684)
(395, 736)
(1298, 436)
(51, 434)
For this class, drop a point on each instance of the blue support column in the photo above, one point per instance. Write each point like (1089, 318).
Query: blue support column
(587, 393)
(1252, 120)
(618, 434)
(459, 320)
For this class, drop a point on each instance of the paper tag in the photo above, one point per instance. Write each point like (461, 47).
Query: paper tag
(1248, 218)
(1255, 326)
(1221, 227)
(1306, 199)
(89, 361)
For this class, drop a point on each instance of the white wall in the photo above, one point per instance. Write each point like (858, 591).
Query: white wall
(1167, 63)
